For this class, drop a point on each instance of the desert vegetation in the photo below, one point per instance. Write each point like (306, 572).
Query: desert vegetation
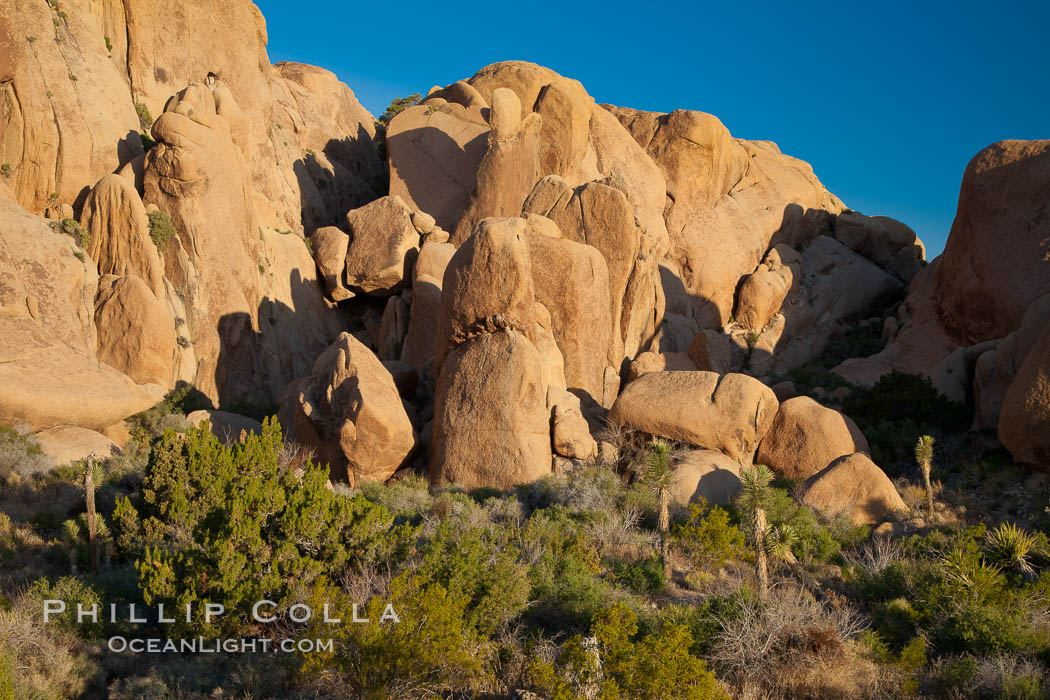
(588, 583)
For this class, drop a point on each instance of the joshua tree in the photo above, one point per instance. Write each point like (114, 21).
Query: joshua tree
(754, 499)
(924, 457)
(658, 477)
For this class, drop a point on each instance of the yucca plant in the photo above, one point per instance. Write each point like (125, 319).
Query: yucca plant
(1010, 546)
(924, 458)
(754, 499)
(780, 540)
(658, 478)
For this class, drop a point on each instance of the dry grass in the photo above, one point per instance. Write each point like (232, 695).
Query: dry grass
(790, 630)
(43, 662)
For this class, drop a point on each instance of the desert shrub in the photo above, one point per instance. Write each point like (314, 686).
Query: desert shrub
(76, 542)
(567, 590)
(227, 525)
(644, 576)
(482, 569)
(74, 592)
(20, 454)
(145, 118)
(708, 539)
(814, 540)
(169, 414)
(70, 227)
(760, 640)
(704, 619)
(433, 650)
(161, 229)
(38, 660)
(900, 408)
(407, 499)
(397, 106)
(614, 663)
(5, 169)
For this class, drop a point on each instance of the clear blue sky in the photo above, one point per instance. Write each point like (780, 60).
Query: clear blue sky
(887, 100)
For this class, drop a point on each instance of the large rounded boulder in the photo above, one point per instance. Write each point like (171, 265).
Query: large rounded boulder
(854, 486)
(806, 437)
(730, 413)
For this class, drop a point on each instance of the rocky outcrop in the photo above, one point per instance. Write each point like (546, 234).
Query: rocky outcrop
(994, 263)
(992, 270)
(729, 202)
(350, 412)
(855, 487)
(492, 423)
(996, 368)
(255, 312)
(116, 220)
(806, 437)
(599, 214)
(330, 249)
(763, 292)
(659, 362)
(571, 280)
(66, 114)
(1024, 424)
(383, 247)
(730, 413)
(49, 375)
(427, 278)
(136, 334)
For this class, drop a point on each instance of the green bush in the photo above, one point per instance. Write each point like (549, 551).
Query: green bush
(900, 408)
(619, 665)
(5, 169)
(228, 525)
(644, 576)
(145, 118)
(161, 229)
(708, 539)
(71, 228)
(397, 106)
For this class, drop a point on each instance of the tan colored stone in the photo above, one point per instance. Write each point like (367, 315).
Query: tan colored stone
(67, 115)
(487, 285)
(996, 368)
(434, 158)
(806, 437)
(491, 423)
(660, 362)
(570, 433)
(136, 334)
(421, 336)
(853, 485)
(330, 247)
(764, 291)
(383, 246)
(120, 243)
(1024, 423)
(49, 375)
(707, 475)
(730, 412)
(351, 413)
(69, 444)
(994, 263)
(571, 280)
